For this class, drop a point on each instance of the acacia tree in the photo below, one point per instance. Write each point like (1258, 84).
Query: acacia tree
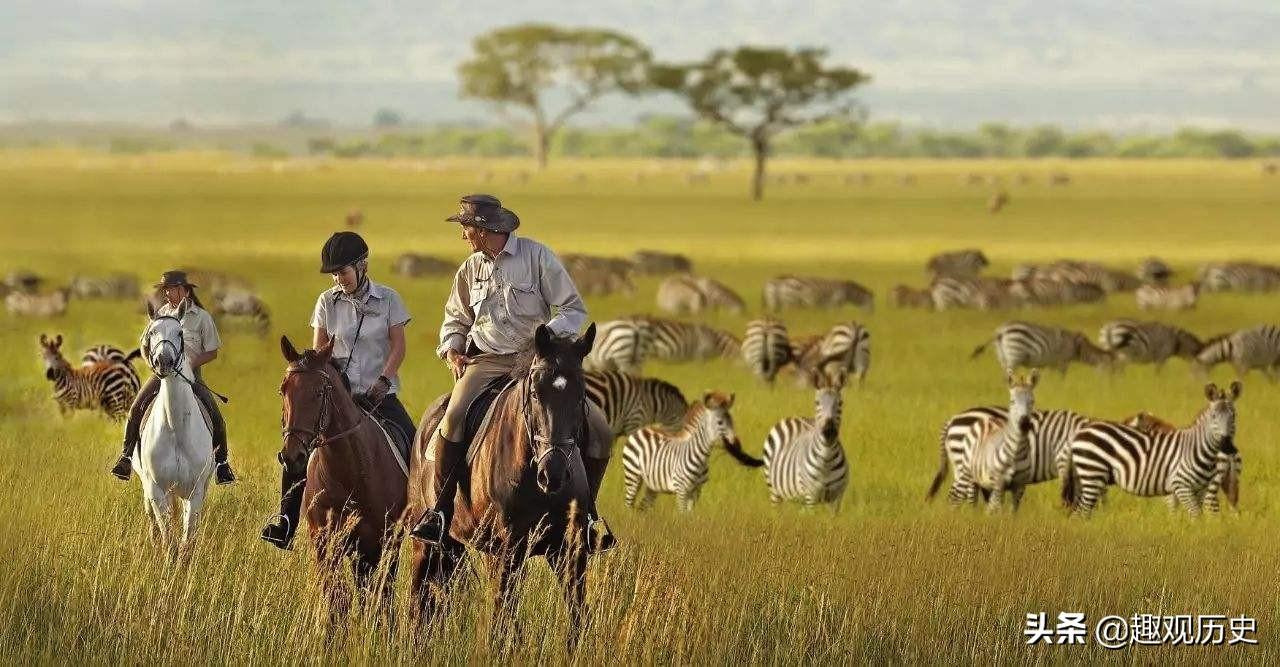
(518, 66)
(758, 92)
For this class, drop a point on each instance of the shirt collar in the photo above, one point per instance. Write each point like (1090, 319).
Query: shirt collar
(375, 292)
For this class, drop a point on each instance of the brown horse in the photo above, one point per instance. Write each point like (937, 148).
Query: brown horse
(527, 491)
(355, 491)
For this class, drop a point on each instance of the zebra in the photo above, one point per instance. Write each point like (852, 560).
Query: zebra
(622, 345)
(1246, 349)
(675, 461)
(1226, 478)
(1050, 434)
(904, 296)
(977, 293)
(1024, 344)
(720, 296)
(114, 286)
(1239, 277)
(108, 385)
(241, 303)
(1146, 342)
(108, 354)
(1001, 458)
(1181, 462)
(1154, 271)
(630, 402)
(766, 348)
(1037, 290)
(811, 292)
(1077, 271)
(413, 265)
(600, 275)
(37, 305)
(803, 457)
(680, 294)
(957, 263)
(682, 341)
(1163, 297)
(655, 262)
(843, 351)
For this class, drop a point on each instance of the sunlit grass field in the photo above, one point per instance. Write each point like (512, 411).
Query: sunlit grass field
(737, 581)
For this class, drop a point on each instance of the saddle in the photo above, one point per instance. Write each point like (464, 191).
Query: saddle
(397, 440)
(479, 413)
(146, 415)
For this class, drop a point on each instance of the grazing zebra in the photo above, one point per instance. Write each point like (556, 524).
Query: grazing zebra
(843, 351)
(1181, 462)
(957, 263)
(240, 303)
(599, 275)
(114, 286)
(810, 292)
(675, 461)
(1154, 271)
(37, 305)
(1163, 297)
(1226, 478)
(766, 348)
(1001, 457)
(904, 296)
(1076, 271)
(681, 295)
(1239, 277)
(630, 402)
(1037, 290)
(1026, 345)
(682, 341)
(413, 265)
(654, 262)
(21, 280)
(719, 296)
(216, 281)
(803, 457)
(977, 293)
(621, 345)
(1147, 342)
(109, 354)
(109, 385)
(1246, 349)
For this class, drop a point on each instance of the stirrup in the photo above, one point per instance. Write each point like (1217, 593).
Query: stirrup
(269, 537)
(606, 542)
(128, 471)
(431, 528)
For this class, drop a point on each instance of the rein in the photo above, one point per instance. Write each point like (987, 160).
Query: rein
(180, 348)
(316, 437)
(567, 448)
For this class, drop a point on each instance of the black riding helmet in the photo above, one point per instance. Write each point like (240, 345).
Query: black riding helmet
(342, 249)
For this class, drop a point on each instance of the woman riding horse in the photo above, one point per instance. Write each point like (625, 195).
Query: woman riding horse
(364, 320)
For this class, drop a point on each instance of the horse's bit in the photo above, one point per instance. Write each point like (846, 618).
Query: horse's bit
(316, 438)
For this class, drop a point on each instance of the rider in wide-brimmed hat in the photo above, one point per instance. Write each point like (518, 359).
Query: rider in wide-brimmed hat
(365, 320)
(201, 341)
(502, 293)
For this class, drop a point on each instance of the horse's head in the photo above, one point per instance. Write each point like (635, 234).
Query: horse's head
(163, 343)
(51, 354)
(307, 404)
(557, 401)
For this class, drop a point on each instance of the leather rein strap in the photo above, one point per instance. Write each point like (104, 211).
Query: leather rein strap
(315, 438)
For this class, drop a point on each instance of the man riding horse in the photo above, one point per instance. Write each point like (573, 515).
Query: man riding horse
(500, 296)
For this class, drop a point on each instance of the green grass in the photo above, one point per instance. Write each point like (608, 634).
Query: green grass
(737, 581)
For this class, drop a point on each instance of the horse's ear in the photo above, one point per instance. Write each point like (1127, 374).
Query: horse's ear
(542, 341)
(584, 343)
(151, 310)
(288, 350)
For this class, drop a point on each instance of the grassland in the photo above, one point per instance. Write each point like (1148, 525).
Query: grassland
(888, 579)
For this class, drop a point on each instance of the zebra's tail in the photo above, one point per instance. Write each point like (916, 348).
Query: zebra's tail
(735, 450)
(942, 467)
(977, 351)
(136, 354)
(1069, 485)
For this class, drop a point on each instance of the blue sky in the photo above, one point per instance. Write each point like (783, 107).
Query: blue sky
(1084, 63)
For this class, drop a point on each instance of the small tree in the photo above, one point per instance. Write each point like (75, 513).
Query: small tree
(385, 118)
(517, 67)
(756, 93)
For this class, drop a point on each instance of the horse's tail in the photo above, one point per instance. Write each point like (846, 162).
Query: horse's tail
(735, 450)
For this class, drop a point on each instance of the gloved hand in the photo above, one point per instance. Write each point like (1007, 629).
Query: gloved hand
(379, 390)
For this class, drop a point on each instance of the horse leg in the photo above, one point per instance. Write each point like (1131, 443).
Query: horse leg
(191, 520)
(431, 570)
(507, 570)
(162, 514)
(570, 565)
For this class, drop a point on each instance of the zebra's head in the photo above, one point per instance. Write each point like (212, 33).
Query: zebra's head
(51, 354)
(1022, 396)
(1187, 345)
(1220, 415)
(719, 420)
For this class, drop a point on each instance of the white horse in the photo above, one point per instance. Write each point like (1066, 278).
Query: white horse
(176, 456)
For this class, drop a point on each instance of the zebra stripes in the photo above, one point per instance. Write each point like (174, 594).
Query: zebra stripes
(1142, 342)
(240, 303)
(978, 293)
(1163, 297)
(1001, 458)
(659, 461)
(803, 457)
(1181, 462)
(621, 345)
(630, 402)
(1226, 478)
(109, 385)
(682, 341)
(810, 292)
(1247, 349)
(1239, 277)
(843, 351)
(1026, 345)
(766, 348)
(958, 263)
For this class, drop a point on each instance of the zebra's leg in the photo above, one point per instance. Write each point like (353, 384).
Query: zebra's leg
(1016, 496)
(995, 499)
(1189, 500)
(632, 483)
(1171, 502)
(1091, 491)
(1210, 501)
(646, 500)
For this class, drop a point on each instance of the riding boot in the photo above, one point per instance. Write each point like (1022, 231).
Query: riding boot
(133, 427)
(222, 470)
(599, 536)
(451, 462)
(284, 525)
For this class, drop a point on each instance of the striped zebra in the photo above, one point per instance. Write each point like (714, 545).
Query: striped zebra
(1226, 478)
(107, 385)
(682, 341)
(957, 264)
(1181, 462)
(1163, 297)
(811, 292)
(720, 296)
(1025, 345)
(242, 304)
(905, 296)
(37, 305)
(680, 295)
(1041, 291)
(1145, 342)
(803, 457)
(1239, 277)
(630, 402)
(1247, 349)
(114, 286)
(977, 293)
(1001, 457)
(109, 354)
(843, 351)
(621, 345)
(676, 461)
(766, 348)
(655, 262)
(1051, 433)
(1153, 271)
(1076, 271)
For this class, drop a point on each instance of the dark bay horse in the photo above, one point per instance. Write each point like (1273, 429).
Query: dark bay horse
(354, 498)
(527, 492)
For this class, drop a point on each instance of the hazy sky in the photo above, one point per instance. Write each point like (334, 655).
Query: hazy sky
(1084, 63)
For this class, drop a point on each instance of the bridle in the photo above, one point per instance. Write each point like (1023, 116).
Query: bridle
(567, 448)
(315, 438)
(179, 348)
